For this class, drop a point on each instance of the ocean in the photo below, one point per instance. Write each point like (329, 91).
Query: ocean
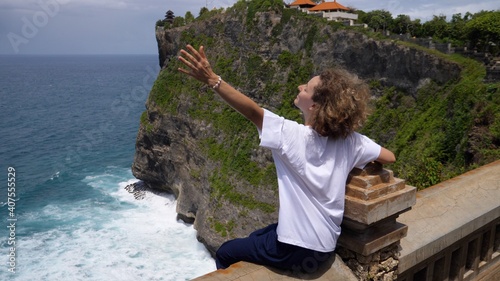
(68, 130)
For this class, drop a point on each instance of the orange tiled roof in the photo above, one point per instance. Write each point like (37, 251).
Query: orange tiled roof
(303, 2)
(325, 6)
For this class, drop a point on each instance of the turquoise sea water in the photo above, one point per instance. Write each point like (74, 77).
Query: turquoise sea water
(68, 129)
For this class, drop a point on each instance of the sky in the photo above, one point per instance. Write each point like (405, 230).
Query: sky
(127, 26)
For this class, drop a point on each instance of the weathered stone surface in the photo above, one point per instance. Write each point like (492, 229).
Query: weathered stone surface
(380, 265)
(372, 191)
(374, 210)
(373, 202)
(448, 212)
(373, 194)
(372, 240)
(333, 270)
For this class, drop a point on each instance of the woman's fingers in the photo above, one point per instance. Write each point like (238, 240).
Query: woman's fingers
(202, 53)
(184, 71)
(195, 54)
(193, 60)
(197, 63)
(191, 63)
(186, 63)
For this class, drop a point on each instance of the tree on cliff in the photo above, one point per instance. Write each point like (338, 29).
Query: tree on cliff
(189, 18)
(379, 20)
(203, 10)
(458, 27)
(483, 31)
(402, 24)
(480, 30)
(437, 27)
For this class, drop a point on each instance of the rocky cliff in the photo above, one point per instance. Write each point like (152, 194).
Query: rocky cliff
(190, 143)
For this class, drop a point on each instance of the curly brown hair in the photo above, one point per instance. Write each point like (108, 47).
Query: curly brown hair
(341, 103)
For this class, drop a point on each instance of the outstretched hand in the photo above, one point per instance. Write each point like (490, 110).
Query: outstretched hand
(199, 68)
(198, 64)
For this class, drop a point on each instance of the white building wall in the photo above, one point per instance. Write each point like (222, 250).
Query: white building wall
(339, 16)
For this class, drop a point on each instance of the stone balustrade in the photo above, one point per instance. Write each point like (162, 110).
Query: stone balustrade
(370, 236)
(454, 229)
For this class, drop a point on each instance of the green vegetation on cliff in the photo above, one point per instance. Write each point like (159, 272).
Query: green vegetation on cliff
(231, 153)
(442, 131)
(437, 132)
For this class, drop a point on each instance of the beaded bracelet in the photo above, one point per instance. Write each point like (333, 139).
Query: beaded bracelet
(217, 84)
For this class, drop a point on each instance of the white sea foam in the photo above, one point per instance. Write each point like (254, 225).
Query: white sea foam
(125, 239)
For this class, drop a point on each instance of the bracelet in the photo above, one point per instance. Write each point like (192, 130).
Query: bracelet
(217, 84)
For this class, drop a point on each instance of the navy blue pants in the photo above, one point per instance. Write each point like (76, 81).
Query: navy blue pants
(262, 247)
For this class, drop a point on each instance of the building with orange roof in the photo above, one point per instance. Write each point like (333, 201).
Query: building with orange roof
(330, 10)
(329, 6)
(303, 5)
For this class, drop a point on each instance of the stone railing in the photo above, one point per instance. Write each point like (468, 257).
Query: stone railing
(454, 230)
(451, 231)
(370, 236)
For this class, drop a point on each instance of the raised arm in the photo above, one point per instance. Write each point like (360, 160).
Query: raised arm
(201, 70)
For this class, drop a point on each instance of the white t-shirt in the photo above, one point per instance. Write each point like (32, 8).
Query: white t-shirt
(312, 172)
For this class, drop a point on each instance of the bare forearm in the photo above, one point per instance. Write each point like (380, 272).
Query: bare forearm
(241, 103)
(386, 156)
(200, 69)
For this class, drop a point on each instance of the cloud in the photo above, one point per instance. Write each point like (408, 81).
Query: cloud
(424, 9)
(448, 8)
(115, 4)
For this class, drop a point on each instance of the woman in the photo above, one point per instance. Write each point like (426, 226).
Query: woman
(312, 162)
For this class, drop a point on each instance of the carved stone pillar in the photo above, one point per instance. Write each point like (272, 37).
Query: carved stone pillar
(369, 243)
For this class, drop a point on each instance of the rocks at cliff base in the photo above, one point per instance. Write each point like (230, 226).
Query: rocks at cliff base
(140, 189)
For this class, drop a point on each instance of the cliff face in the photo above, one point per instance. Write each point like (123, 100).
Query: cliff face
(394, 64)
(193, 145)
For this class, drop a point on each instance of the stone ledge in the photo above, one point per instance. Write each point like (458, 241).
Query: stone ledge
(373, 194)
(371, 211)
(357, 189)
(333, 270)
(449, 211)
(368, 242)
